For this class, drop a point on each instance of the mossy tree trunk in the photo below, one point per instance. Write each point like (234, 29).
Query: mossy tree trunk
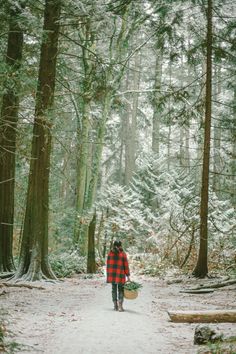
(201, 268)
(84, 126)
(8, 134)
(33, 264)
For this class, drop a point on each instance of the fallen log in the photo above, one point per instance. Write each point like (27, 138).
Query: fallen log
(216, 285)
(203, 316)
(197, 291)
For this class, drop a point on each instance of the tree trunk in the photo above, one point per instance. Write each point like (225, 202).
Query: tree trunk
(156, 110)
(91, 260)
(8, 132)
(33, 263)
(203, 316)
(170, 122)
(87, 38)
(127, 129)
(233, 162)
(201, 268)
(97, 156)
(82, 171)
(134, 111)
(217, 141)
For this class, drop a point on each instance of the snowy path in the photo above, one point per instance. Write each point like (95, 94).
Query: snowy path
(105, 331)
(76, 317)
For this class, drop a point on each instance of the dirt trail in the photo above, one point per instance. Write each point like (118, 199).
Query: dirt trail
(76, 317)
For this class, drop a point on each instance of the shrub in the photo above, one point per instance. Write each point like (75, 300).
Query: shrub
(67, 263)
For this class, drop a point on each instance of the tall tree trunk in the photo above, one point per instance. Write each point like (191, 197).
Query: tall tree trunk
(217, 141)
(97, 156)
(184, 129)
(233, 163)
(200, 146)
(156, 109)
(89, 47)
(92, 179)
(8, 133)
(91, 260)
(34, 263)
(82, 162)
(170, 121)
(131, 128)
(127, 130)
(201, 268)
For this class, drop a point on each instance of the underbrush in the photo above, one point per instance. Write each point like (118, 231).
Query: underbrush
(219, 348)
(67, 264)
(150, 264)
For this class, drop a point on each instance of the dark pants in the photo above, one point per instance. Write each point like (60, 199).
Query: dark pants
(117, 292)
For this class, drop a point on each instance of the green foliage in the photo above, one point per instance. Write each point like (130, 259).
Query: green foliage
(169, 201)
(124, 218)
(221, 348)
(148, 264)
(132, 286)
(67, 264)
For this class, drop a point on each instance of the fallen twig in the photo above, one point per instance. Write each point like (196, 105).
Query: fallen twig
(197, 291)
(19, 285)
(216, 285)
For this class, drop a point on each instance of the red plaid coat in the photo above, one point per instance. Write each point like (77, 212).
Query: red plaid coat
(117, 267)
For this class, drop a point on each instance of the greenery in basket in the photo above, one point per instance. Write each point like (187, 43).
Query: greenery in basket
(132, 286)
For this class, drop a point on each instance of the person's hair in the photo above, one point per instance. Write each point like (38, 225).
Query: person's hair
(117, 247)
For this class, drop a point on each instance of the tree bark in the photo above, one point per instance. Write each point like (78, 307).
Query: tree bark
(8, 133)
(88, 40)
(131, 128)
(170, 121)
(217, 141)
(201, 268)
(233, 161)
(91, 260)
(156, 109)
(34, 263)
(203, 316)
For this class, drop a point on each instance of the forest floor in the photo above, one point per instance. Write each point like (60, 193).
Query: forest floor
(76, 316)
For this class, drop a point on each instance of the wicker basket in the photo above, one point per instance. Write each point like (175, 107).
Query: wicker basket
(130, 294)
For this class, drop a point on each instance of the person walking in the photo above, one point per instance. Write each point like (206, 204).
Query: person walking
(117, 272)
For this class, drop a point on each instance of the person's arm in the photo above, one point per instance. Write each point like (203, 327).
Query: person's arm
(126, 267)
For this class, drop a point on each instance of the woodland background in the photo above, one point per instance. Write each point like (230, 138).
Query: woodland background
(118, 121)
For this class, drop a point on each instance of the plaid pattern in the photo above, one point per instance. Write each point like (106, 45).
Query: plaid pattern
(117, 267)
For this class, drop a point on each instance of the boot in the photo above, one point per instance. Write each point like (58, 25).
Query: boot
(120, 306)
(115, 305)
